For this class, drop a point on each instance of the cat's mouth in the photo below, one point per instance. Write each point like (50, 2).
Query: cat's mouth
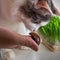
(34, 27)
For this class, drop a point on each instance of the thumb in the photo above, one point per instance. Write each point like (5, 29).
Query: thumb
(29, 42)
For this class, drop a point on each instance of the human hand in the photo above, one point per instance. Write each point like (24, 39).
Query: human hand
(26, 41)
(10, 39)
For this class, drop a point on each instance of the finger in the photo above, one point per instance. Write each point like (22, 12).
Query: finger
(29, 42)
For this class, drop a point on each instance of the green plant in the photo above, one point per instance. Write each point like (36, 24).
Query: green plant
(51, 31)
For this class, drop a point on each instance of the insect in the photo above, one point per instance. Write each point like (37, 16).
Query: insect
(35, 37)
